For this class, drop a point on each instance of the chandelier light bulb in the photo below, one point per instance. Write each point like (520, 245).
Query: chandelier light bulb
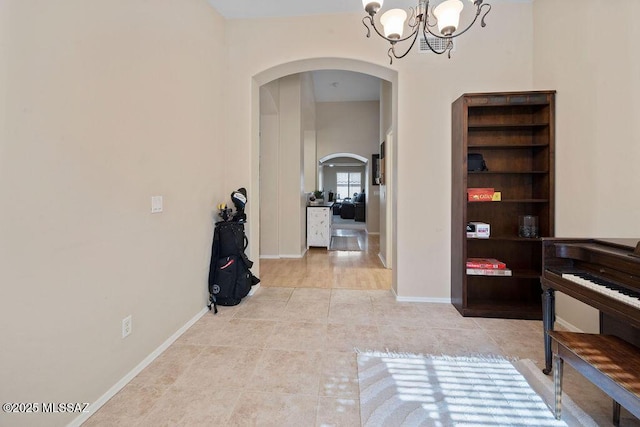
(448, 15)
(393, 23)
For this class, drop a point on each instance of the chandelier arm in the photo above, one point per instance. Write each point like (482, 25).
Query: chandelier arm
(453, 36)
(392, 50)
(427, 23)
(415, 18)
(482, 23)
(366, 26)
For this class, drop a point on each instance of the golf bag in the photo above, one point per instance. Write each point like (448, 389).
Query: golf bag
(229, 277)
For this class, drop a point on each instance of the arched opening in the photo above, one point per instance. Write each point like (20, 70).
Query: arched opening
(284, 70)
(337, 155)
(346, 176)
(339, 160)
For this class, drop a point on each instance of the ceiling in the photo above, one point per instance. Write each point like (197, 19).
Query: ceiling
(240, 9)
(343, 86)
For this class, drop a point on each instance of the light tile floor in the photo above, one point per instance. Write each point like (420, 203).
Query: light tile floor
(286, 357)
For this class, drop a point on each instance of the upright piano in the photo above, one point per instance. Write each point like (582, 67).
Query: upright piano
(603, 273)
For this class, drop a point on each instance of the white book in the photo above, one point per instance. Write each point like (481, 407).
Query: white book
(488, 272)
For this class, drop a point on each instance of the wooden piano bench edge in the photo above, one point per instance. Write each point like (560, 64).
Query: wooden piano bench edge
(576, 349)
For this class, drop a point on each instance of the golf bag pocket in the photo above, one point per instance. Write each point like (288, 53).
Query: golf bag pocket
(223, 289)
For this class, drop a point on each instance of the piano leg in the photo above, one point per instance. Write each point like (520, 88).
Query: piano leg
(557, 386)
(548, 319)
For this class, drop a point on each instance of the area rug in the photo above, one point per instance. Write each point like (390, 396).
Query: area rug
(410, 390)
(344, 243)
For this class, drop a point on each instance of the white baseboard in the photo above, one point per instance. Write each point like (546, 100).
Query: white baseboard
(254, 289)
(283, 256)
(93, 408)
(420, 299)
(424, 299)
(383, 260)
(375, 233)
(293, 256)
(569, 326)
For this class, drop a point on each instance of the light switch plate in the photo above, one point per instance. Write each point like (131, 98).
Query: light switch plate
(126, 326)
(156, 204)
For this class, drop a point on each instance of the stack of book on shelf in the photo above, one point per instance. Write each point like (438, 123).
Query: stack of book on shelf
(487, 267)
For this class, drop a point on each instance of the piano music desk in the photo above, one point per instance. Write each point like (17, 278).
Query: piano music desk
(607, 361)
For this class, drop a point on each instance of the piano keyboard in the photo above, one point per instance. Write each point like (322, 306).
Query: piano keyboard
(604, 287)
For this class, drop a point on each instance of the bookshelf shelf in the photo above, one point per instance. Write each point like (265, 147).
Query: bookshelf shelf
(514, 132)
(505, 146)
(508, 238)
(510, 201)
(507, 172)
(507, 126)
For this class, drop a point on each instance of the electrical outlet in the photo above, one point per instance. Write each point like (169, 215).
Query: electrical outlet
(126, 326)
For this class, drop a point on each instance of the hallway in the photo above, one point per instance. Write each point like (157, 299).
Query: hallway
(321, 268)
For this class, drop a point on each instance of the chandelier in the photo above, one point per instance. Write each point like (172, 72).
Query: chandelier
(445, 16)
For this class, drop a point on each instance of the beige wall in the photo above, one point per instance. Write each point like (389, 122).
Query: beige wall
(348, 127)
(286, 133)
(269, 170)
(307, 138)
(598, 132)
(352, 127)
(269, 185)
(310, 162)
(290, 177)
(386, 207)
(104, 104)
(485, 60)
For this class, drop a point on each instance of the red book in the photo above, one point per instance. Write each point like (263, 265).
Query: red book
(480, 194)
(485, 263)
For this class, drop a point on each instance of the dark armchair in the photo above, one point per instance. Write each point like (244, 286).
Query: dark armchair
(347, 209)
(360, 205)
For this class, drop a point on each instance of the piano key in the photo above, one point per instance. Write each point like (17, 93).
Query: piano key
(604, 287)
(609, 285)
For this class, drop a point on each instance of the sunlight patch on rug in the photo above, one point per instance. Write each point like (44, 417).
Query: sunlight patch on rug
(344, 243)
(448, 391)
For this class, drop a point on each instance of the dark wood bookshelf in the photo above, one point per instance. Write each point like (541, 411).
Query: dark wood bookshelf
(515, 133)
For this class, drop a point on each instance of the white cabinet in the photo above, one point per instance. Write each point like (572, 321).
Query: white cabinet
(319, 225)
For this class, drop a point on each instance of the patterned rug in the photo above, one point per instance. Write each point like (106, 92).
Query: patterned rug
(344, 243)
(408, 390)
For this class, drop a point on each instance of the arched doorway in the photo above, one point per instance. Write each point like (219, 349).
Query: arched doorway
(338, 159)
(307, 65)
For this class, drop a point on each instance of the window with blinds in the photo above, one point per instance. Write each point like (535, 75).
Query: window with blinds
(348, 183)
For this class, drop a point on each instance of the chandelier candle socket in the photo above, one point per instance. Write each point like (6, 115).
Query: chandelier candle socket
(446, 16)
